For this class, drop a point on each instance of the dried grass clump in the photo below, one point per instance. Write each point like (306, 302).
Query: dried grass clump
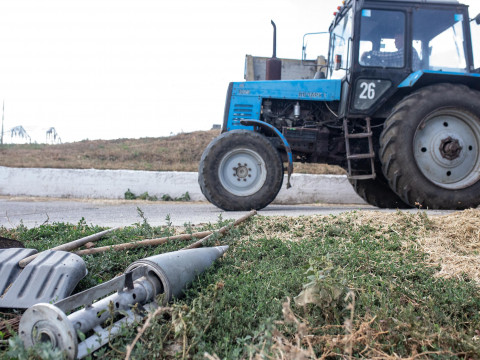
(8, 322)
(298, 228)
(451, 241)
(454, 243)
(307, 168)
(360, 335)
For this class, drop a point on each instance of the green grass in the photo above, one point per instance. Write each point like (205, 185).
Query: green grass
(234, 310)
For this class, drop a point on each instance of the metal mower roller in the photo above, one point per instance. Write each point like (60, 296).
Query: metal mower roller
(396, 103)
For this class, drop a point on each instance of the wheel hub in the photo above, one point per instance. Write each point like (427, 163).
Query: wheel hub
(242, 172)
(450, 148)
(48, 324)
(446, 149)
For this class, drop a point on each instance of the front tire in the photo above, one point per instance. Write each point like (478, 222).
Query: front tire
(240, 170)
(430, 147)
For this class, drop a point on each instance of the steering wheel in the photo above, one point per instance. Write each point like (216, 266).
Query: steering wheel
(368, 58)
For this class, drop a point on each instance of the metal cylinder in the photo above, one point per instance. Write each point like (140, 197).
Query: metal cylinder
(177, 269)
(297, 110)
(144, 291)
(274, 69)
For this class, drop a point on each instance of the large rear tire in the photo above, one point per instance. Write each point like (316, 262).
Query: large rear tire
(377, 192)
(430, 147)
(240, 170)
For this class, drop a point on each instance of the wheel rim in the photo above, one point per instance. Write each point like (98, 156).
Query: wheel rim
(446, 147)
(242, 172)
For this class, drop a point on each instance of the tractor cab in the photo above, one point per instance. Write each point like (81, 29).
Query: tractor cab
(380, 47)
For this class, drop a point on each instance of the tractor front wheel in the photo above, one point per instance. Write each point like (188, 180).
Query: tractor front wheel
(240, 170)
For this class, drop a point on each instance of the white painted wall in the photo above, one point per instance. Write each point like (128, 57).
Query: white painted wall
(112, 184)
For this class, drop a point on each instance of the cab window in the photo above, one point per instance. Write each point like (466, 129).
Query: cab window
(340, 46)
(382, 38)
(440, 36)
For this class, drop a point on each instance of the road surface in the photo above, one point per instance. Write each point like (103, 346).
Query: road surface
(33, 212)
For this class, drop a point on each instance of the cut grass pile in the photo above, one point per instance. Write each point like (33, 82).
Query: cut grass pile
(362, 284)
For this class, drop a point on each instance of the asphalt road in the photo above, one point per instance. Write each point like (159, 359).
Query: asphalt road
(33, 212)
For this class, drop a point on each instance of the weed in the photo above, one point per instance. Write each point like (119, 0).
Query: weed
(184, 197)
(167, 197)
(145, 196)
(326, 288)
(41, 350)
(129, 195)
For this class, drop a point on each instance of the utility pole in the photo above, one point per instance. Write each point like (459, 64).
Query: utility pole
(3, 113)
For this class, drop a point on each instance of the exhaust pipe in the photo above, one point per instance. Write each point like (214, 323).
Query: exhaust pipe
(274, 65)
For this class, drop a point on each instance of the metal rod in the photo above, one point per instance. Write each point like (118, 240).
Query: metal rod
(70, 246)
(221, 231)
(97, 313)
(142, 243)
(3, 118)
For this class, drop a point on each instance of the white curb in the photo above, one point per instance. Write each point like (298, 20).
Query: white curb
(112, 184)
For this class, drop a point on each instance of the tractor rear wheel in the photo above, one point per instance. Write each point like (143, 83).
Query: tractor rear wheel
(240, 170)
(377, 192)
(430, 147)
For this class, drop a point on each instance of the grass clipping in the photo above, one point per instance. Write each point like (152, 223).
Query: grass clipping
(451, 241)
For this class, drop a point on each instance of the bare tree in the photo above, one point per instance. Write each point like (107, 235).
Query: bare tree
(52, 136)
(19, 132)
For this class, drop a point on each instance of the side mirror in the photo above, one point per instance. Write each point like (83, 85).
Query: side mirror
(477, 19)
(338, 62)
(316, 44)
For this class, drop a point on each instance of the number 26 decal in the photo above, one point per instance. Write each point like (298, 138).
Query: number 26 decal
(368, 90)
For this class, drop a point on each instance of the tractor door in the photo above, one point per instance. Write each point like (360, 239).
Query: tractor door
(340, 52)
(381, 58)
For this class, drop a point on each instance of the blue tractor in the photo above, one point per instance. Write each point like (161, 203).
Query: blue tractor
(396, 104)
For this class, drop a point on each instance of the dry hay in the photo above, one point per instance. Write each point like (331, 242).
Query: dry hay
(300, 346)
(451, 241)
(454, 243)
(9, 322)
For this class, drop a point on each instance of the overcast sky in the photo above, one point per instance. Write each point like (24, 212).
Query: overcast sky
(107, 69)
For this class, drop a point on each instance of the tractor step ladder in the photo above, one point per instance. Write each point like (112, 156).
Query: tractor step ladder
(370, 155)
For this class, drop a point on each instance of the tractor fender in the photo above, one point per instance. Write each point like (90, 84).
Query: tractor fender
(286, 145)
(423, 78)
